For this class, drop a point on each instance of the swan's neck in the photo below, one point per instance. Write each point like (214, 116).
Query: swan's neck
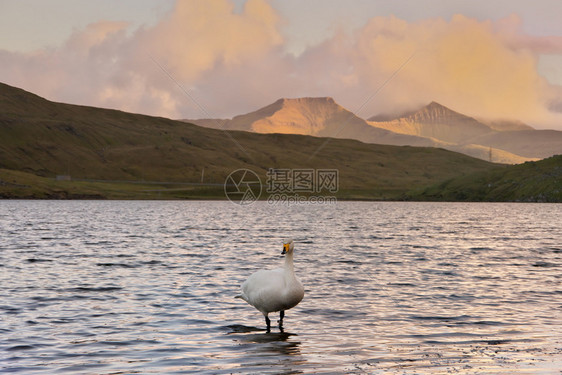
(289, 269)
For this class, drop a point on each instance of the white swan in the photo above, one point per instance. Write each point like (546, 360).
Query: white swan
(274, 290)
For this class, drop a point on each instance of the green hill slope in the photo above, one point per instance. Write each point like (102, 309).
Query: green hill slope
(539, 181)
(40, 139)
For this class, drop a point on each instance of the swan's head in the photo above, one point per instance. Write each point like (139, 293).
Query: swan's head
(288, 246)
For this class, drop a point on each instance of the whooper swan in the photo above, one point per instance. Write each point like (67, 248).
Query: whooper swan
(274, 290)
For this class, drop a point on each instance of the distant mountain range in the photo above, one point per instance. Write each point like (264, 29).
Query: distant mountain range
(434, 125)
(319, 117)
(103, 153)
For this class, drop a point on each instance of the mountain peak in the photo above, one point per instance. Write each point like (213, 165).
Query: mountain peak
(308, 100)
(437, 106)
(431, 110)
(437, 113)
(306, 115)
(436, 121)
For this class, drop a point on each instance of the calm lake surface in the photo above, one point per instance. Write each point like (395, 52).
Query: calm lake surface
(124, 287)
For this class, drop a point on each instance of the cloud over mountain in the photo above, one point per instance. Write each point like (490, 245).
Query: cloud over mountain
(231, 61)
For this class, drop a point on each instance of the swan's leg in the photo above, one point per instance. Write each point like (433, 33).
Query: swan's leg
(268, 322)
(281, 316)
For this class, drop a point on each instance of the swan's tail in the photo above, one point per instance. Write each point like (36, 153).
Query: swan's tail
(239, 296)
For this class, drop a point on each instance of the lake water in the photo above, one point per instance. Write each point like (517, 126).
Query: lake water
(124, 287)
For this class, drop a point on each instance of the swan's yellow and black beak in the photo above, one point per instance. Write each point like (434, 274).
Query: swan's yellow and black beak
(285, 248)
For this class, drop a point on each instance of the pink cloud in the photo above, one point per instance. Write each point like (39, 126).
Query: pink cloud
(234, 62)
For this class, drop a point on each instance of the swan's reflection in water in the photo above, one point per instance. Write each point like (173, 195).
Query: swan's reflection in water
(262, 351)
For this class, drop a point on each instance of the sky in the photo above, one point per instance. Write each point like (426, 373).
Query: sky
(493, 59)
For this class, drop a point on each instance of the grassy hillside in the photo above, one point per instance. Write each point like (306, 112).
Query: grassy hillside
(539, 181)
(40, 139)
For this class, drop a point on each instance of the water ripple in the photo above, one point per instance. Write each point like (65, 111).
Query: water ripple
(148, 287)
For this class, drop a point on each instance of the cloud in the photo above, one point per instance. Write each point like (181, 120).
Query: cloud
(464, 63)
(200, 34)
(104, 65)
(236, 61)
(481, 68)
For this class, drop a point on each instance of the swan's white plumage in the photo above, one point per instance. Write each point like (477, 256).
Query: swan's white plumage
(274, 290)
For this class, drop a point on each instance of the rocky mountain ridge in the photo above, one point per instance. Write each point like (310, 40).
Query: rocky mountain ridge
(434, 125)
